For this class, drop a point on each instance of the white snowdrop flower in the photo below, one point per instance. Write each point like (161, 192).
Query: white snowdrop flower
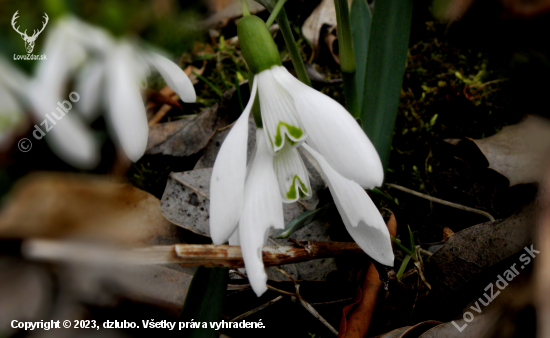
(244, 206)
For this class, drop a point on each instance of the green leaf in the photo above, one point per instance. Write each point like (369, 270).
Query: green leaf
(204, 300)
(361, 19)
(387, 54)
(401, 246)
(403, 267)
(303, 220)
(411, 238)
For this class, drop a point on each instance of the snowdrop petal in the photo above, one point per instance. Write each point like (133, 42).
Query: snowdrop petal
(68, 136)
(228, 178)
(126, 111)
(262, 209)
(291, 174)
(11, 115)
(361, 217)
(333, 132)
(280, 120)
(174, 76)
(13, 78)
(89, 84)
(96, 39)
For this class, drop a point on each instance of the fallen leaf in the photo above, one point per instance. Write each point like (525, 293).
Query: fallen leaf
(356, 316)
(65, 205)
(231, 11)
(323, 14)
(519, 152)
(478, 328)
(469, 252)
(183, 137)
(447, 233)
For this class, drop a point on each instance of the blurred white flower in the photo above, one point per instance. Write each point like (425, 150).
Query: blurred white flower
(12, 83)
(293, 113)
(108, 72)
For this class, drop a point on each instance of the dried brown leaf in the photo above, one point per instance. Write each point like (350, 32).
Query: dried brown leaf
(69, 205)
(519, 152)
(183, 137)
(324, 14)
(356, 317)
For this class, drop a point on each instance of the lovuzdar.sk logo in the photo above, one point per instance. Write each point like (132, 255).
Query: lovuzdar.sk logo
(29, 40)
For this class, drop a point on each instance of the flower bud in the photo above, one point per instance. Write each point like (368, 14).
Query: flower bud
(257, 45)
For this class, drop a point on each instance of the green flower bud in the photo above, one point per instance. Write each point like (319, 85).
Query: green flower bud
(257, 45)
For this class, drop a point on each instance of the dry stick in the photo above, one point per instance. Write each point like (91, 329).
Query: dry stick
(316, 314)
(231, 256)
(259, 308)
(160, 114)
(333, 301)
(440, 201)
(280, 291)
(306, 305)
(184, 254)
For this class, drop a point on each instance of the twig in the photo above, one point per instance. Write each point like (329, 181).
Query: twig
(314, 312)
(280, 291)
(259, 308)
(425, 252)
(160, 114)
(306, 305)
(187, 185)
(184, 254)
(333, 301)
(440, 201)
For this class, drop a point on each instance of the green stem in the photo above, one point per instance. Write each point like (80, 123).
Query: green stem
(278, 7)
(345, 40)
(293, 50)
(246, 10)
(350, 93)
(347, 57)
(290, 42)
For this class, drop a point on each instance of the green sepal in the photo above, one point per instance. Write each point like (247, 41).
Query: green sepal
(257, 45)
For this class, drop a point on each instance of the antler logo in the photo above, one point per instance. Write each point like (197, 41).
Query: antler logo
(29, 40)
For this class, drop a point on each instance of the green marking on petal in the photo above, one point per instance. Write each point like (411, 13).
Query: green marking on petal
(291, 194)
(292, 130)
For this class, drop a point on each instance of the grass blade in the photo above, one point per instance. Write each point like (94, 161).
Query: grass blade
(303, 220)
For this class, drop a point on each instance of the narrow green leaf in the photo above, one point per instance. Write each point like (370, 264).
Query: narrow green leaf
(411, 238)
(303, 220)
(204, 300)
(403, 267)
(361, 19)
(401, 246)
(387, 54)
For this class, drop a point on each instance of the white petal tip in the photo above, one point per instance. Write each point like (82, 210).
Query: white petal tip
(258, 282)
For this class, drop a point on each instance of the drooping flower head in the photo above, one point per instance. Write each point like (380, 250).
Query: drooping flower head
(293, 115)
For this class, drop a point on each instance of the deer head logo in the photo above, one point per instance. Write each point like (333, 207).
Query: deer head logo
(29, 40)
